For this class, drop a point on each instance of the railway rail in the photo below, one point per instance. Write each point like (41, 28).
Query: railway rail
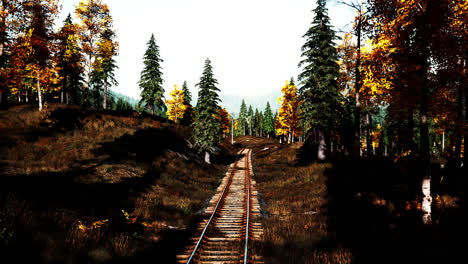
(231, 226)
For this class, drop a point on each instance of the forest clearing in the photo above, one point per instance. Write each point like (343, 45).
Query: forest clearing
(128, 133)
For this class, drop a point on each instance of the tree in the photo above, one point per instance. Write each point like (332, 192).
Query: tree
(359, 23)
(250, 119)
(257, 124)
(268, 121)
(69, 62)
(207, 127)
(225, 121)
(95, 20)
(42, 15)
(287, 120)
(319, 87)
(151, 77)
(242, 120)
(18, 75)
(105, 65)
(12, 20)
(176, 106)
(189, 112)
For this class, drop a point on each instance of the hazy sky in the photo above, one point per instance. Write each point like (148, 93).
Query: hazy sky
(254, 45)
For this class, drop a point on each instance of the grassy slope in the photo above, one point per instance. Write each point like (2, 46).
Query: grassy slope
(90, 186)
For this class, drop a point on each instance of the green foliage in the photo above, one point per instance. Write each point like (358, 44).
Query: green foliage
(242, 120)
(318, 80)
(189, 112)
(268, 124)
(150, 83)
(257, 123)
(207, 128)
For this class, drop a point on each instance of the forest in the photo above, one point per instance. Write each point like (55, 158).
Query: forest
(391, 92)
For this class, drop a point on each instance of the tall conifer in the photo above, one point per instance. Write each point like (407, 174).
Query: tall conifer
(189, 112)
(268, 121)
(207, 130)
(151, 80)
(318, 80)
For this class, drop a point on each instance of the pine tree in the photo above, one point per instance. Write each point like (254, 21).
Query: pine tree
(257, 124)
(319, 87)
(69, 62)
(242, 120)
(207, 126)
(152, 93)
(189, 112)
(268, 121)
(250, 119)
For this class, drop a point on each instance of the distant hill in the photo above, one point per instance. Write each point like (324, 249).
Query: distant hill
(233, 102)
(132, 101)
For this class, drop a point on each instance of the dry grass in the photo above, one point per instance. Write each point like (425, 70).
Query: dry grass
(96, 186)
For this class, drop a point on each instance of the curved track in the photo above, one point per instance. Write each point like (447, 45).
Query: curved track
(227, 234)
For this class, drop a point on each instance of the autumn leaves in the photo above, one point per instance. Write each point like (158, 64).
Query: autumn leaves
(38, 63)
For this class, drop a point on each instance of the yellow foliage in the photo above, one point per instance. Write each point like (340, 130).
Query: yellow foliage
(376, 136)
(287, 121)
(176, 106)
(94, 225)
(404, 154)
(223, 117)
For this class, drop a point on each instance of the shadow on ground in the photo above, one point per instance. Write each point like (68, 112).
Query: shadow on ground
(367, 214)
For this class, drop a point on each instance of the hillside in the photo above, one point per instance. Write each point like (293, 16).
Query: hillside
(86, 186)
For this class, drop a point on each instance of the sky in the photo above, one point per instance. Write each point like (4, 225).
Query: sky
(254, 45)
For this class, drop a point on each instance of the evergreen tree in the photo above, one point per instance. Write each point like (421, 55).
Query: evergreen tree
(189, 112)
(207, 128)
(257, 123)
(268, 121)
(318, 80)
(69, 62)
(152, 93)
(250, 118)
(242, 118)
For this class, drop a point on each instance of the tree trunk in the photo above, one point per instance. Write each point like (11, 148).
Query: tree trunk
(465, 130)
(67, 98)
(424, 128)
(207, 157)
(39, 93)
(368, 135)
(322, 146)
(427, 201)
(61, 97)
(104, 100)
(443, 142)
(410, 133)
(357, 114)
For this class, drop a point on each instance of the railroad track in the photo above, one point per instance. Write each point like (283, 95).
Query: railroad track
(231, 227)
